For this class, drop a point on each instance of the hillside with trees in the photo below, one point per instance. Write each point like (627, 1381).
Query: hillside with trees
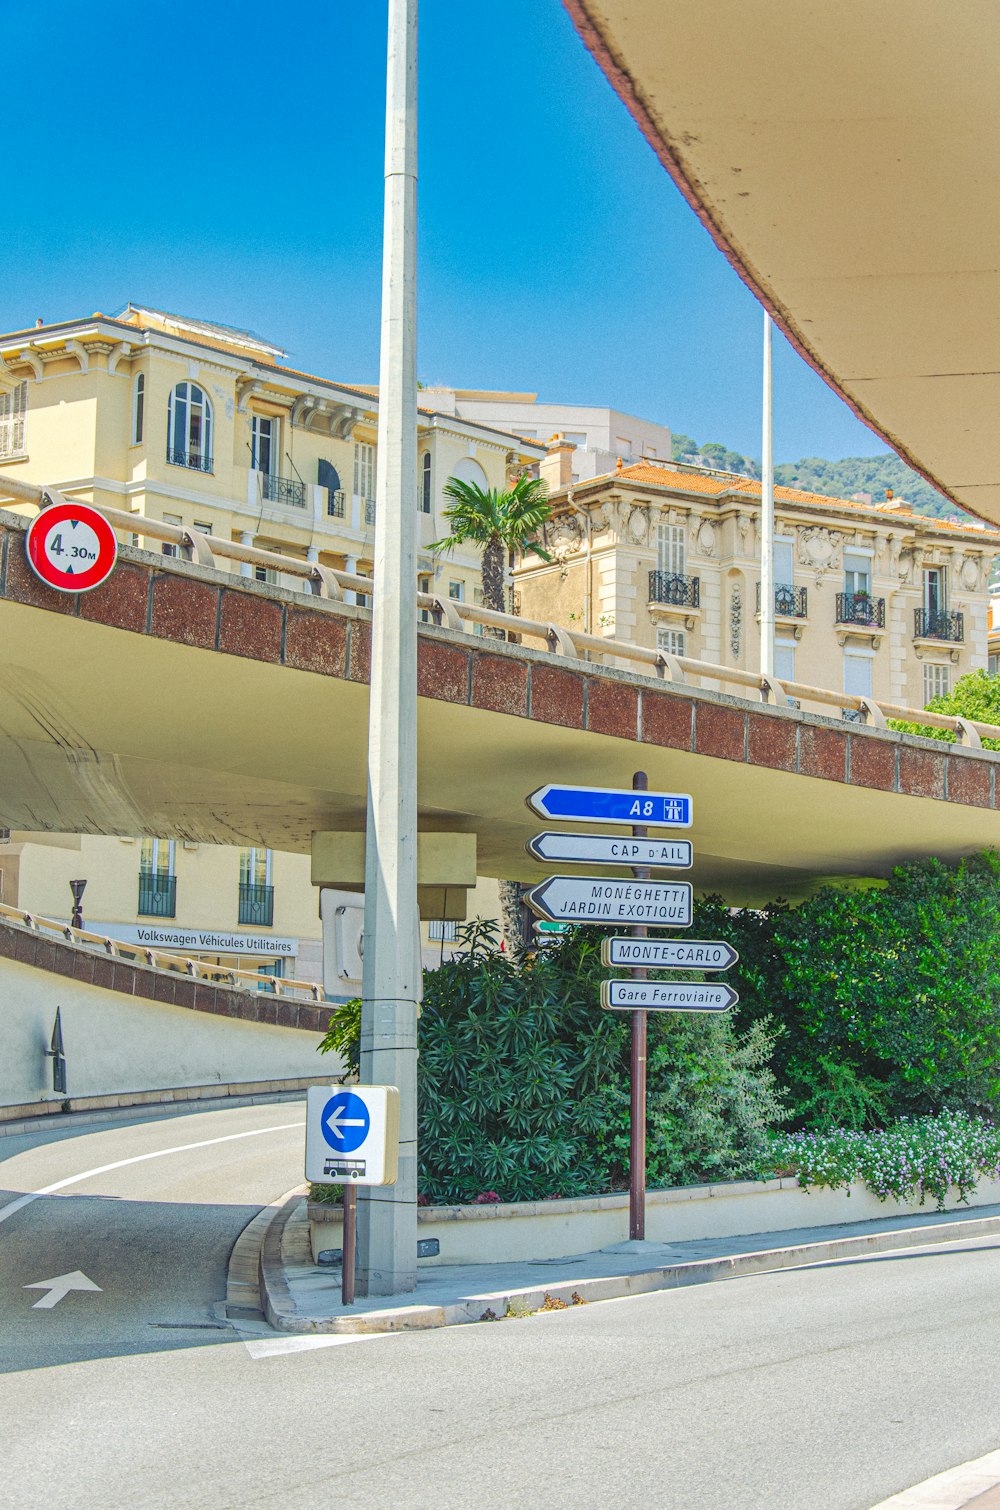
(834, 479)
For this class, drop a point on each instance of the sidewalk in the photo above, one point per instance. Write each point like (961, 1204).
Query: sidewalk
(298, 1296)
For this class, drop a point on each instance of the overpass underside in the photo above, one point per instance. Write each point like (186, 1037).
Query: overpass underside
(177, 700)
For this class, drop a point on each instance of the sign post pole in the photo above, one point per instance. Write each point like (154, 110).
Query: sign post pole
(637, 1136)
(348, 1245)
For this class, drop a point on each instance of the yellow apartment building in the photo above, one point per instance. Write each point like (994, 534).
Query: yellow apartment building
(206, 427)
(870, 597)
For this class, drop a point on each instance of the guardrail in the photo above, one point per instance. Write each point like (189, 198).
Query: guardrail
(162, 959)
(326, 582)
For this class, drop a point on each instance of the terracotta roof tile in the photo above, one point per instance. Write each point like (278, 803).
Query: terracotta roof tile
(714, 485)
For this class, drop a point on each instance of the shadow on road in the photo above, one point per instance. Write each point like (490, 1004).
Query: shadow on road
(160, 1268)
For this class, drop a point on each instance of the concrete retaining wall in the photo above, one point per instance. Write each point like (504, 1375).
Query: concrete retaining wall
(557, 1229)
(128, 1027)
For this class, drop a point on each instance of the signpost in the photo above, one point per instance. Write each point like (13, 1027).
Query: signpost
(593, 899)
(71, 547)
(352, 1138)
(667, 996)
(603, 804)
(668, 954)
(610, 849)
(640, 902)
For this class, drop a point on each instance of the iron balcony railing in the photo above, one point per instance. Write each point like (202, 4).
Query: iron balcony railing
(938, 624)
(860, 608)
(256, 904)
(157, 894)
(335, 503)
(194, 459)
(790, 602)
(286, 490)
(369, 510)
(671, 587)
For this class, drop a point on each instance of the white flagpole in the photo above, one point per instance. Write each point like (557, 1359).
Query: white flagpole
(391, 984)
(767, 517)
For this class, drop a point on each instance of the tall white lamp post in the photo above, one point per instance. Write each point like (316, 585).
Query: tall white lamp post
(767, 517)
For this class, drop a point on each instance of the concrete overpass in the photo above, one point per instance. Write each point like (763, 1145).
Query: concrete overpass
(843, 157)
(180, 699)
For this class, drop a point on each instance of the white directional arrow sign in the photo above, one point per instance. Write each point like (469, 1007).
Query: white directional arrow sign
(668, 954)
(593, 899)
(666, 996)
(338, 1120)
(59, 1288)
(610, 849)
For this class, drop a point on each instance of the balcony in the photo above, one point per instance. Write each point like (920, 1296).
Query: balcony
(256, 904)
(193, 459)
(674, 590)
(938, 624)
(335, 504)
(157, 894)
(789, 602)
(368, 510)
(286, 490)
(861, 609)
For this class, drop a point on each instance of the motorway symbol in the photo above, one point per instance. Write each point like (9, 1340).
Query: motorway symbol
(71, 547)
(666, 996)
(668, 954)
(601, 804)
(610, 849)
(59, 1288)
(594, 899)
(345, 1121)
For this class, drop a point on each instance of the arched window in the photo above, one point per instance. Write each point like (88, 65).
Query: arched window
(138, 409)
(468, 470)
(189, 428)
(425, 483)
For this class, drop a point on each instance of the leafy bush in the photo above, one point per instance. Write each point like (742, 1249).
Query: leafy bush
(908, 1161)
(524, 1079)
(975, 696)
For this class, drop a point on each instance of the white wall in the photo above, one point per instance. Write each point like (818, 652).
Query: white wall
(116, 1043)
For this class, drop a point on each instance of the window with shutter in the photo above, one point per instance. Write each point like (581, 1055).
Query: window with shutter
(13, 409)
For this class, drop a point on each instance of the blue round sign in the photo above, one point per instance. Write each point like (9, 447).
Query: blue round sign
(345, 1122)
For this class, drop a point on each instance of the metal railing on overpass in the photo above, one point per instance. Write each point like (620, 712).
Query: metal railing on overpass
(331, 584)
(162, 959)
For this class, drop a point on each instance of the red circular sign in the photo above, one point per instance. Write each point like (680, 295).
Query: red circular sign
(72, 547)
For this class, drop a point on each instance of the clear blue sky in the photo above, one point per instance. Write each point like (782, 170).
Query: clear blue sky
(231, 168)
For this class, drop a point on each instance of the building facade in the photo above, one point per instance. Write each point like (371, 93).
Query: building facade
(600, 435)
(205, 427)
(872, 600)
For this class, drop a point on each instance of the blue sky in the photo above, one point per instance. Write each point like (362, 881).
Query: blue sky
(225, 161)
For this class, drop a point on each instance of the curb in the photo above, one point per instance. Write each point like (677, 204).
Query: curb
(282, 1313)
(965, 1485)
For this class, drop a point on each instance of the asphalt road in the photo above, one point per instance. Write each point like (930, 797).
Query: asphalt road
(821, 1389)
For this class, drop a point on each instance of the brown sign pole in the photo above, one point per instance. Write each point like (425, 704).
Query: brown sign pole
(637, 1138)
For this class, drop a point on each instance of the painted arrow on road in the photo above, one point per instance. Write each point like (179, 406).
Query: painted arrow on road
(60, 1287)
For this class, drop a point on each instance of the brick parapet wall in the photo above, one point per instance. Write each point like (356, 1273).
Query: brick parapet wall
(212, 610)
(129, 978)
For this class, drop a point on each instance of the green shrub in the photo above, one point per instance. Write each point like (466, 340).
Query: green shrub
(524, 1079)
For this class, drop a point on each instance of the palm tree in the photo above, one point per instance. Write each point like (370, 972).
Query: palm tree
(503, 521)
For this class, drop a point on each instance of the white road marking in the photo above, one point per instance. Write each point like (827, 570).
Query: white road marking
(273, 1347)
(59, 1288)
(159, 1153)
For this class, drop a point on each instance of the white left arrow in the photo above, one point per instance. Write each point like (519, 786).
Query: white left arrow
(337, 1121)
(59, 1288)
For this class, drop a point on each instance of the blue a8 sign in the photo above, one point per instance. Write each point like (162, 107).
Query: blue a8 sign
(602, 804)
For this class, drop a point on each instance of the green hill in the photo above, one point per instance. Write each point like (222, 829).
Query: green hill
(835, 479)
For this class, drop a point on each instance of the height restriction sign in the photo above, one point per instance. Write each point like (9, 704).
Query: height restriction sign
(72, 547)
